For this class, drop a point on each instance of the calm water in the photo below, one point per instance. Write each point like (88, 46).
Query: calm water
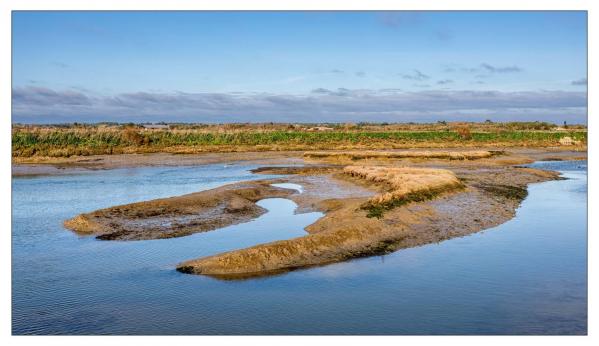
(527, 276)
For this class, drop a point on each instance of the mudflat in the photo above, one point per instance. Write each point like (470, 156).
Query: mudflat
(25, 166)
(177, 216)
(489, 198)
(373, 204)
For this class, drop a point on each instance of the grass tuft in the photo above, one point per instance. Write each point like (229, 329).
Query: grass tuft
(377, 210)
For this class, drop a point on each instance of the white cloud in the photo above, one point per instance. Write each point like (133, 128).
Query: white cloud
(34, 104)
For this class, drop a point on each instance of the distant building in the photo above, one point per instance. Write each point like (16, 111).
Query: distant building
(320, 128)
(567, 141)
(155, 126)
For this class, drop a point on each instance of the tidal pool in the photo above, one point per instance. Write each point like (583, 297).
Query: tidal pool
(527, 276)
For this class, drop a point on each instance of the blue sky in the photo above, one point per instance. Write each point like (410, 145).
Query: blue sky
(299, 66)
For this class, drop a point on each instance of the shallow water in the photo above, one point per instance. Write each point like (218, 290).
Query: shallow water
(527, 276)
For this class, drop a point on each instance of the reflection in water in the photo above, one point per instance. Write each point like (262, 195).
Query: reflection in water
(291, 186)
(527, 276)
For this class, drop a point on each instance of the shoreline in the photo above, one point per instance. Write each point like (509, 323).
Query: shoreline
(81, 164)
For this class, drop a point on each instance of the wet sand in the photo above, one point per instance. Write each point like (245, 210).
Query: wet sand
(75, 164)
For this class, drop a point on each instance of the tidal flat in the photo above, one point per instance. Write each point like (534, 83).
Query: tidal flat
(404, 212)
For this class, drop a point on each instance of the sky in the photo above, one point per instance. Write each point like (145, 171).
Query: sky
(216, 67)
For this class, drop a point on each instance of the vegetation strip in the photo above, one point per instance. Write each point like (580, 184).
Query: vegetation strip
(85, 140)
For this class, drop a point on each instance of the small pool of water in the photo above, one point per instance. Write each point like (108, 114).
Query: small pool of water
(527, 276)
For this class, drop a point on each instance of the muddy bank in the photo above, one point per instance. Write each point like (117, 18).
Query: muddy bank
(301, 170)
(77, 164)
(178, 216)
(403, 154)
(514, 156)
(490, 197)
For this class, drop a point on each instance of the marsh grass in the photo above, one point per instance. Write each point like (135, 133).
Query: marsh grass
(405, 185)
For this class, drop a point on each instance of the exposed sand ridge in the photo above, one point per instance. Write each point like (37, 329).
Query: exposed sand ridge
(178, 216)
(405, 183)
